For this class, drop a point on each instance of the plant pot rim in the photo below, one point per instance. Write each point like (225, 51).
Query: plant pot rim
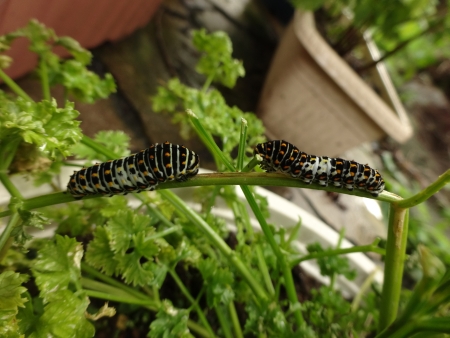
(395, 124)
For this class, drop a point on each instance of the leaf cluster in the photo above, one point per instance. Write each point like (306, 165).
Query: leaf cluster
(220, 120)
(72, 74)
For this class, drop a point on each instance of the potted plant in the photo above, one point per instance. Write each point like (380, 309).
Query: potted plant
(309, 84)
(168, 269)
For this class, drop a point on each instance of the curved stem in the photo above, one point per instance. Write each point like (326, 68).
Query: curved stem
(425, 194)
(264, 179)
(335, 252)
(13, 86)
(13, 191)
(111, 281)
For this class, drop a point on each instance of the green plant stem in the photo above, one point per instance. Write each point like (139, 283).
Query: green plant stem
(235, 320)
(281, 259)
(224, 323)
(338, 245)
(264, 179)
(111, 281)
(13, 191)
(128, 300)
(426, 326)
(264, 270)
(7, 152)
(6, 234)
(163, 219)
(148, 304)
(250, 165)
(209, 141)
(43, 72)
(208, 82)
(93, 285)
(191, 299)
(164, 233)
(425, 194)
(362, 248)
(241, 149)
(13, 86)
(394, 264)
(217, 242)
(294, 233)
(98, 147)
(364, 287)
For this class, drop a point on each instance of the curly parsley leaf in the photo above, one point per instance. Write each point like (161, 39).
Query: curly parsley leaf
(83, 84)
(128, 245)
(333, 264)
(72, 73)
(170, 322)
(330, 315)
(219, 282)
(29, 219)
(217, 61)
(81, 218)
(11, 300)
(43, 124)
(217, 117)
(57, 265)
(269, 320)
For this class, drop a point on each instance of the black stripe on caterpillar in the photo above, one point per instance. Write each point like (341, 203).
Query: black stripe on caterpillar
(283, 156)
(141, 171)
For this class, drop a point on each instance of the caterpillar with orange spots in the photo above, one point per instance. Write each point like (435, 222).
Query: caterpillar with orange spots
(141, 171)
(283, 156)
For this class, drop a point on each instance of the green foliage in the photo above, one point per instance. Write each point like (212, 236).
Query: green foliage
(415, 31)
(51, 129)
(77, 219)
(219, 119)
(331, 265)
(170, 322)
(216, 62)
(330, 315)
(115, 141)
(29, 219)
(11, 300)
(76, 79)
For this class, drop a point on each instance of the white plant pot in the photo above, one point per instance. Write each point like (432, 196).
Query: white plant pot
(282, 214)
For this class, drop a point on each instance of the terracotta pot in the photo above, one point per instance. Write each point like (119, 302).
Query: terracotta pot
(88, 22)
(313, 98)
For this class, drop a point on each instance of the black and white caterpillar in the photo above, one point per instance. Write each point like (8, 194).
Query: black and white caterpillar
(283, 156)
(135, 173)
